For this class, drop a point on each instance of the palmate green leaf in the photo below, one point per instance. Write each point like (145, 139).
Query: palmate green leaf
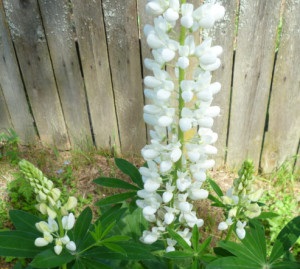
(286, 239)
(111, 214)
(115, 183)
(232, 263)
(18, 244)
(267, 215)
(215, 187)
(195, 238)
(117, 198)
(24, 221)
(82, 226)
(130, 170)
(134, 251)
(286, 265)
(83, 263)
(115, 248)
(179, 255)
(48, 259)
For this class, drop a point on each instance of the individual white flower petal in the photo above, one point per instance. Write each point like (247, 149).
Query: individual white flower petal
(165, 121)
(152, 82)
(149, 154)
(149, 210)
(58, 249)
(183, 62)
(171, 15)
(65, 240)
(222, 226)
(194, 155)
(43, 226)
(207, 164)
(215, 87)
(175, 154)
(170, 249)
(165, 166)
(185, 206)
(71, 246)
(52, 225)
(154, 42)
(41, 242)
(150, 119)
(212, 111)
(241, 233)
(151, 185)
(152, 109)
(187, 21)
(208, 58)
(185, 124)
(187, 96)
(51, 213)
(167, 54)
(198, 194)
(68, 221)
(71, 203)
(163, 95)
(154, 8)
(182, 184)
(167, 196)
(212, 67)
(218, 11)
(169, 218)
(149, 237)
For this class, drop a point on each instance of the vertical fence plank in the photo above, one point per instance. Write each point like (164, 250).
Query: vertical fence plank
(59, 33)
(224, 34)
(125, 62)
(12, 87)
(32, 52)
(254, 61)
(283, 134)
(89, 23)
(5, 121)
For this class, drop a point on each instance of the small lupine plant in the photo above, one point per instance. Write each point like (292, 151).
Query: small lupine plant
(155, 223)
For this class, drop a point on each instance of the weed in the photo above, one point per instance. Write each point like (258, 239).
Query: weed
(9, 146)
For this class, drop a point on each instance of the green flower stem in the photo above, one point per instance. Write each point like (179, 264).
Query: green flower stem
(229, 232)
(61, 232)
(181, 101)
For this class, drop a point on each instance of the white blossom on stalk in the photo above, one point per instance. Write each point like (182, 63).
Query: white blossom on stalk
(176, 166)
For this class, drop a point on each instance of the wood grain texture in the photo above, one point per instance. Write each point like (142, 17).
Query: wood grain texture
(223, 34)
(56, 16)
(125, 62)
(252, 79)
(283, 134)
(13, 89)
(5, 121)
(33, 55)
(88, 18)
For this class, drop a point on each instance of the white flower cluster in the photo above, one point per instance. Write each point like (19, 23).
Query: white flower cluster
(176, 166)
(242, 199)
(49, 204)
(51, 232)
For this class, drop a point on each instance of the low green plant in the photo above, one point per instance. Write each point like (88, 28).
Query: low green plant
(9, 141)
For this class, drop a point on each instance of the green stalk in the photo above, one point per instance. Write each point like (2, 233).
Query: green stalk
(181, 101)
(61, 232)
(229, 232)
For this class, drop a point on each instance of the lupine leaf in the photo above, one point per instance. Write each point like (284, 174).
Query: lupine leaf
(195, 238)
(115, 248)
(82, 226)
(179, 240)
(232, 263)
(115, 183)
(286, 265)
(83, 263)
(179, 254)
(216, 201)
(267, 215)
(286, 239)
(24, 221)
(204, 245)
(113, 213)
(114, 199)
(130, 170)
(215, 187)
(18, 244)
(49, 259)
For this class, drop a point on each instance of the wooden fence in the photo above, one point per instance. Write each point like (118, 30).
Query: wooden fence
(71, 70)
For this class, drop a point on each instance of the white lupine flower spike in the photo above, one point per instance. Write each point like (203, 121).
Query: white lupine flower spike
(177, 165)
(60, 221)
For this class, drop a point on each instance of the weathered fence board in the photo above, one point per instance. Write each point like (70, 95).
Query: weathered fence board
(283, 134)
(224, 34)
(12, 87)
(5, 121)
(88, 18)
(254, 61)
(56, 18)
(32, 52)
(124, 54)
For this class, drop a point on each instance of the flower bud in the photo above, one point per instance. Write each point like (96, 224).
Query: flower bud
(41, 242)
(51, 213)
(68, 221)
(71, 246)
(222, 226)
(55, 193)
(58, 249)
(71, 203)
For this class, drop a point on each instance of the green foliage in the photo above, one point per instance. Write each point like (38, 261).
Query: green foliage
(251, 253)
(9, 146)
(21, 194)
(136, 184)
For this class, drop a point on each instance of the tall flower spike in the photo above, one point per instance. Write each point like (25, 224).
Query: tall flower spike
(177, 162)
